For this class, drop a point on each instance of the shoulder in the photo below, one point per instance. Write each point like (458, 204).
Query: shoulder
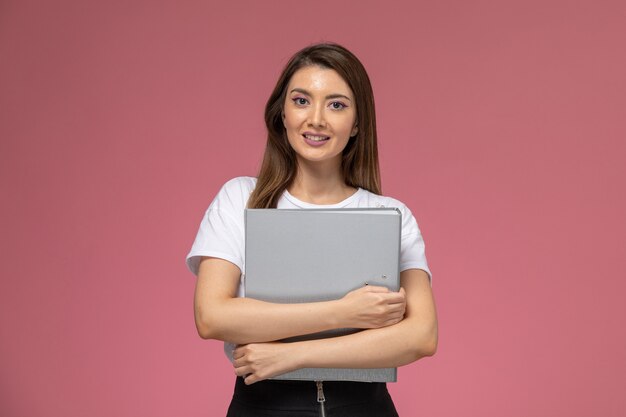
(234, 193)
(369, 199)
(240, 184)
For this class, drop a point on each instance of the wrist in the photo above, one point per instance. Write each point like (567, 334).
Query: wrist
(335, 315)
(298, 354)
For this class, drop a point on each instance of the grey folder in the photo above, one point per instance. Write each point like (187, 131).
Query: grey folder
(308, 255)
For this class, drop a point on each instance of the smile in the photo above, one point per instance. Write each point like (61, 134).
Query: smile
(316, 138)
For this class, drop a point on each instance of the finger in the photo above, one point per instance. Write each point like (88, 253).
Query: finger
(251, 379)
(396, 309)
(242, 371)
(374, 288)
(239, 362)
(239, 351)
(391, 322)
(395, 314)
(400, 293)
(394, 298)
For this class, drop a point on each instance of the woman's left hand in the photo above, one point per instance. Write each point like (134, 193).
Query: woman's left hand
(258, 361)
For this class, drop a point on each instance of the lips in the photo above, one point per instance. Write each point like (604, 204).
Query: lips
(315, 140)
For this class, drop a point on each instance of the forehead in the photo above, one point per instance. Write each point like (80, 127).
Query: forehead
(316, 79)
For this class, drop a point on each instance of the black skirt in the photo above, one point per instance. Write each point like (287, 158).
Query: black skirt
(300, 399)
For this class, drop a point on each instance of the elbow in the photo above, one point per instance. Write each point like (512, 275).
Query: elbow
(429, 347)
(206, 326)
(431, 339)
(204, 332)
(425, 345)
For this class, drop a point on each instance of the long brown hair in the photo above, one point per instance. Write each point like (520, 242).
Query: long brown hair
(360, 156)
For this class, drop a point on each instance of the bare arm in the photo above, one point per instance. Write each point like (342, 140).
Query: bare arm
(392, 346)
(219, 314)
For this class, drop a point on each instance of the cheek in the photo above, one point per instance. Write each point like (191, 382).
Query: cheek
(344, 125)
(292, 128)
(290, 120)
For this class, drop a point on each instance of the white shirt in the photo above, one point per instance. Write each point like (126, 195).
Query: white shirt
(222, 233)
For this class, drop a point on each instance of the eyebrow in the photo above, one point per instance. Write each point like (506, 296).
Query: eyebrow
(328, 97)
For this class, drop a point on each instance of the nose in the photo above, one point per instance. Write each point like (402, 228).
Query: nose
(316, 117)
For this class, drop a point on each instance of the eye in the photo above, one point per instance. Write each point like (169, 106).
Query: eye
(337, 105)
(300, 101)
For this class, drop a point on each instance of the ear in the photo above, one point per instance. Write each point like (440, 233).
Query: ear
(355, 130)
(282, 116)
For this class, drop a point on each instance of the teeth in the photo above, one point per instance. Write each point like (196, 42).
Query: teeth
(316, 138)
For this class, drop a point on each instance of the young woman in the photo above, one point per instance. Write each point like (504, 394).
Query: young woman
(321, 152)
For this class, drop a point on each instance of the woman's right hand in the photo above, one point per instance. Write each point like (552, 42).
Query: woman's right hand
(371, 307)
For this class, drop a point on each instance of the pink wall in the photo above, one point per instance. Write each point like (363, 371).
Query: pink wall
(502, 126)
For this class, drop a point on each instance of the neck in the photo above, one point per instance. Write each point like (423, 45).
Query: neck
(320, 184)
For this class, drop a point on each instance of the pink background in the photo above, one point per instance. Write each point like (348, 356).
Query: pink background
(502, 125)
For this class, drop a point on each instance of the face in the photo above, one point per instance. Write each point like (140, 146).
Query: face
(319, 115)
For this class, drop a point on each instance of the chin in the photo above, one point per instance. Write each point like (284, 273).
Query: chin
(303, 157)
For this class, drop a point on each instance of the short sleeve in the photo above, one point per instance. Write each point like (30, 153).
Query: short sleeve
(412, 248)
(221, 231)
(219, 236)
